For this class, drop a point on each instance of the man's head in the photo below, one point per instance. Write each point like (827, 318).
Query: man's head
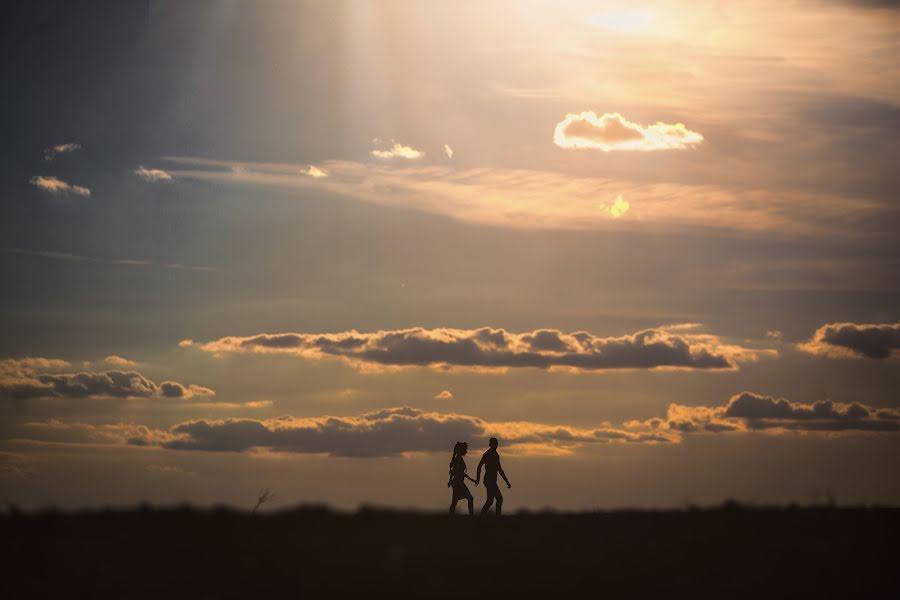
(493, 443)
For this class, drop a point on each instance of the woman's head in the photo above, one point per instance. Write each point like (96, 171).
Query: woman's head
(460, 448)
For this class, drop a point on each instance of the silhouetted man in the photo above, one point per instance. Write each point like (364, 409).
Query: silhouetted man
(490, 460)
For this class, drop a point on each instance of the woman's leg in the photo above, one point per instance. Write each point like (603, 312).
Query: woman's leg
(453, 502)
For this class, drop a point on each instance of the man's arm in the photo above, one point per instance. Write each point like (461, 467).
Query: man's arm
(478, 472)
(503, 475)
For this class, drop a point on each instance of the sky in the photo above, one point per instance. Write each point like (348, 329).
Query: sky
(652, 247)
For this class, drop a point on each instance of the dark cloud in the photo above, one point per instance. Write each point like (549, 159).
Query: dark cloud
(751, 411)
(747, 405)
(27, 378)
(488, 348)
(399, 430)
(878, 341)
(385, 432)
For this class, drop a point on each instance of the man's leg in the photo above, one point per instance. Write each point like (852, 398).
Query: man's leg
(488, 502)
(499, 501)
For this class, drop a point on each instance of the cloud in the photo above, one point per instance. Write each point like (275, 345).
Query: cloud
(400, 430)
(119, 361)
(448, 151)
(394, 150)
(496, 349)
(532, 199)
(444, 395)
(751, 411)
(853, 340)
(612, 132)
(55, 185)
(315, 172)
(51, 152)
(33, 378)
(73, 432)
(384, 432)
(18, 377)
(152, 175)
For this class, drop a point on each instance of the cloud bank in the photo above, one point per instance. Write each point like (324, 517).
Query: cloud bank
(497, 349)
(612, 132)
(400, 430)
(853, 340)
(532, 199)
(54, 185)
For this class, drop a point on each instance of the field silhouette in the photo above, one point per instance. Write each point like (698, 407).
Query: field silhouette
(724, 552)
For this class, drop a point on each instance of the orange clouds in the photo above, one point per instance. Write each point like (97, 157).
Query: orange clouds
(54, 185)
(497, 349)
(612, 132)
(396, 431)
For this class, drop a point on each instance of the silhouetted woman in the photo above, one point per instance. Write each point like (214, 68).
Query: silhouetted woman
(458, 478)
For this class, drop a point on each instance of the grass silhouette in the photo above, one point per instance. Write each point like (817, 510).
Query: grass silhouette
(730, 551)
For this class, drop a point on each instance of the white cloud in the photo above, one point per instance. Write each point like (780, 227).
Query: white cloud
(152, 175)
(315, 172)
(394, 150)
(55, 185)
(612, 132)
(444, 395)
(448, 151)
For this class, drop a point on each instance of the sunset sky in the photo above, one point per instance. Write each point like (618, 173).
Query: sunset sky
(307, 246)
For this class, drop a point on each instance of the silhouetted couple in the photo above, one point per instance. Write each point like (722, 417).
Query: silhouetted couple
(490, 460)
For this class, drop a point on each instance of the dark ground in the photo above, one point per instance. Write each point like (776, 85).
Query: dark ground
(727, 552)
